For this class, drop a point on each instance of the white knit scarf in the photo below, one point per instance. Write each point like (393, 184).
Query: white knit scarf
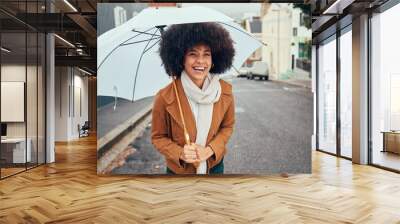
(202, 102)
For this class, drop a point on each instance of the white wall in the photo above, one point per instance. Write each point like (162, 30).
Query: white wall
(80, 84)
(277, 34)
(61, 103)
(12, 73)
(70, 83)
(33, 126)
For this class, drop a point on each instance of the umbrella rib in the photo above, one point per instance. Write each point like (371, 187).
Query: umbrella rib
(137, 35)
(152, 45)
(235, 69)
(140, 32)
(115, 48)
(243, 32)
(140, 41)
(137, 68)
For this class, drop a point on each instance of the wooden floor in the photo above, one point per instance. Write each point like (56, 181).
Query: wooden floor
(10, 171)
(70, 191)
(387, 159)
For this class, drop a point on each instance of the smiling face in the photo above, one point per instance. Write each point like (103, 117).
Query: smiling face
(197, 63)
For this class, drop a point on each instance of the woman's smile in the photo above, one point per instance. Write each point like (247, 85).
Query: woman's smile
(197, 63)
(199, 71)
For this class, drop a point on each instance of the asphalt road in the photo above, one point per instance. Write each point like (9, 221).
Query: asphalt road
(272, 132)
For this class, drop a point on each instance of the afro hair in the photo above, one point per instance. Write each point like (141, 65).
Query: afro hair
(178, 39)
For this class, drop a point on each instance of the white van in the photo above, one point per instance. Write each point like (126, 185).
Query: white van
(259, 69)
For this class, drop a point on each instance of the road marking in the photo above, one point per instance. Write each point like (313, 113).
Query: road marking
(291, 89)
(255, 90)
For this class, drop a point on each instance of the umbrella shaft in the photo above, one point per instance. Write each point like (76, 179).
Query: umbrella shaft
(187, 138)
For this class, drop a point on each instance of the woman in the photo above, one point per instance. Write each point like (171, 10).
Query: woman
(194, 54)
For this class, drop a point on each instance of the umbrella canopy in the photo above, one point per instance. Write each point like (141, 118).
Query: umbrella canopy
(128, 62)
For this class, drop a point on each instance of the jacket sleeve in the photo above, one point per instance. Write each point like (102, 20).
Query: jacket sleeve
(218, 143)
(160, 136)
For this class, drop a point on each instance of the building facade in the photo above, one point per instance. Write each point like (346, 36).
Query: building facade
(287, 40)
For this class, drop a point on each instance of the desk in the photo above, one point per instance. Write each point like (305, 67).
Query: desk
(391, 141)
(16, 147)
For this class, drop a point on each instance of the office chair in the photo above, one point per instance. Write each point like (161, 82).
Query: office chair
(84, 130)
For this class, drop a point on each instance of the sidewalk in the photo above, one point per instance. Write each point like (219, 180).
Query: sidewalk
(299, 77)
(108, 118)
(296, 82)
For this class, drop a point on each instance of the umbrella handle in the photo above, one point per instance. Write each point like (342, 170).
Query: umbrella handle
(185, 132)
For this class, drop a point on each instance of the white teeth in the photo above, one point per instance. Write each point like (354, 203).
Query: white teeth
(199, 68)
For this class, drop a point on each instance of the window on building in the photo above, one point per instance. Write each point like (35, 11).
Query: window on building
(302, 19)
(327, 96)
(346, 94)
(305, 20)
(301, 50)
(385, 89)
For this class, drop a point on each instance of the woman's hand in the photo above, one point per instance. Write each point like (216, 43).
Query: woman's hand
(204, 152)
(189, 154)
(195, 154)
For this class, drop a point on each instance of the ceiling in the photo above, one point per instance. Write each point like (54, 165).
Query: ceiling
(330, 15)
(74, 22)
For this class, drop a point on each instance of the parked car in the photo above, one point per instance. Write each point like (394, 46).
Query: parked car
(243, 71)
(260, 70)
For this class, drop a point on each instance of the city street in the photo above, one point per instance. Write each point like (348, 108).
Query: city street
(272, 132)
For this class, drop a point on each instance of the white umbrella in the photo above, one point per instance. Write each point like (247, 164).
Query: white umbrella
(128, 62)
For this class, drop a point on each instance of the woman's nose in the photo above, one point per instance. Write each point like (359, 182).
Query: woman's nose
(200, 59)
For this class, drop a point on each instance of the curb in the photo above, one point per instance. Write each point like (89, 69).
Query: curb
(291, 83)
(105, 143)
(115, 154)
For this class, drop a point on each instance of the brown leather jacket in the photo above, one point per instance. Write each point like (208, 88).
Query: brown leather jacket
(167, 129)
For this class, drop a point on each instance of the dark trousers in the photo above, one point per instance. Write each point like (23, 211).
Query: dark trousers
(218, 169)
